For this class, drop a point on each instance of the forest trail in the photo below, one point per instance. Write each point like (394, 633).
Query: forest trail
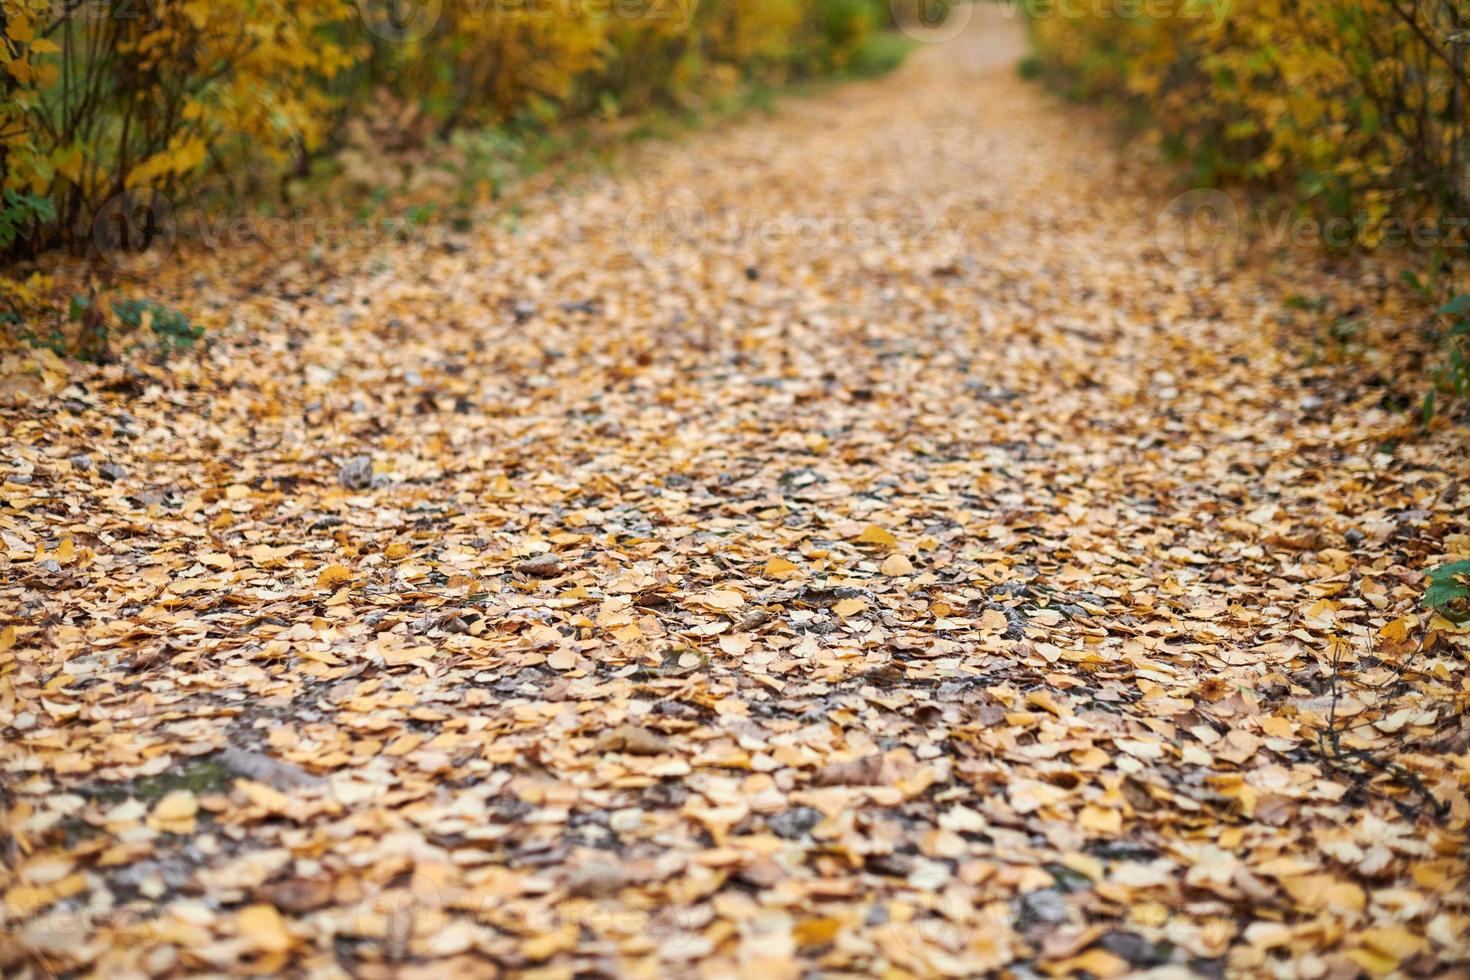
(851, 539)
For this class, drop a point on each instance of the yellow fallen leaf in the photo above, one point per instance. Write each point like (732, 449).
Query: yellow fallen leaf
(1029, 795)
(779, 568)
(896, 564)
(1322, 615)
(7, 638)
(174, 814)
(1100, 822)
(1045, 700)
(268, 798)
(400, 656)
(1395, 942)
(1395, 632)
(176, 806)
(994, 621)
(875, 535)
(849, 607)
(1097, 962)
(18, 389)
(548, 944)
(321, 656)
(1277, 727)
(1374, 964)
(718, 819)
(26, 900)
(263, 928)
(721, 599)
(817, 932)
(45, 869)
(562, 659)
(333, 576)
(1148, 751)
(734, 646)
(404, 744)
(1085, 864)
(634, 740)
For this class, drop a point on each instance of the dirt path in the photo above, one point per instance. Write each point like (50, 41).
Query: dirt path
(852, 541)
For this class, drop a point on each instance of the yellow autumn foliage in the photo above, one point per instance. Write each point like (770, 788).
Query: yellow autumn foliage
(98, 99)
(1352, 108)
(107, 100)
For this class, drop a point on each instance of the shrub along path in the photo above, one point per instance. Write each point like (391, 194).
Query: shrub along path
(848, 540)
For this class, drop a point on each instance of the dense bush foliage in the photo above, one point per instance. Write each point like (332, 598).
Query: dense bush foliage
(96, 101)
(117, 101)
(1354, 109)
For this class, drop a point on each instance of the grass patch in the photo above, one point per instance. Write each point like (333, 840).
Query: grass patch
(199, 778)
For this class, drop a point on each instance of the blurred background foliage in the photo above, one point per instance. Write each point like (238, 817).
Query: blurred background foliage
(1347, 108)
(106, 103)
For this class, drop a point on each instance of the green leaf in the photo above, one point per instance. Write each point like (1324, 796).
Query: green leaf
(1449, 584)
(1460, 304)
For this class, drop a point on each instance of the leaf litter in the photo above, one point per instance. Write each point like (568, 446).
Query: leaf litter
(525, 607)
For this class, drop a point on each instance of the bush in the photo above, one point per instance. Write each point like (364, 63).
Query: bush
(108, 106)
(485, 62)
(879, 54)
(915, 14)
(99, 101)
(844, 26)
(1351, 108)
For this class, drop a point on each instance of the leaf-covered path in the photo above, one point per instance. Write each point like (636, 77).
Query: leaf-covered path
(848, 540)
